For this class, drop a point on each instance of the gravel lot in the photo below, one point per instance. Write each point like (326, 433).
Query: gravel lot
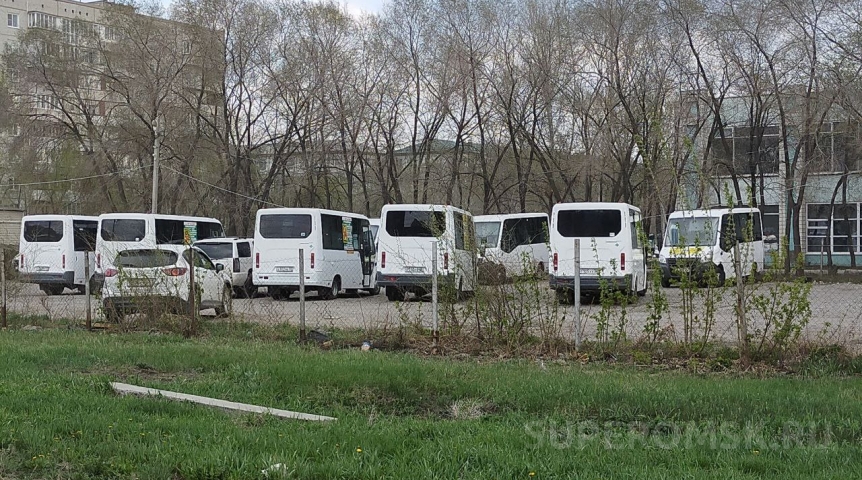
(836, 310)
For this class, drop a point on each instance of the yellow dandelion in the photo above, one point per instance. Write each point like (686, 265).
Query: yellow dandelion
(358, 450)
(532, 474)
(756, 452)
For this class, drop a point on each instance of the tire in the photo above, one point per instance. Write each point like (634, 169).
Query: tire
(460, 294)
(566, 296)
(51, 289)
(279, 293)
(112, 314)
(374, 291)
(226, 308)
(758, 274)
(665, 282)
(394, 294)
(248, 288)
(331, 293)
(95, 287)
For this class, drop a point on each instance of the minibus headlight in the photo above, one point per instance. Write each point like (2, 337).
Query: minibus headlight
(662, 259)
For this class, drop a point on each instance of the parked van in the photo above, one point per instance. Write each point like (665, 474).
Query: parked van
(701, 241)
(405, 238)
(52, 251)
(140, 231)
(235, 254)
(611, 252)
(518, 242)
(338, 251)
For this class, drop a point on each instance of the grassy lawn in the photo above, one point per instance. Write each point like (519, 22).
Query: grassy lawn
(402, 416)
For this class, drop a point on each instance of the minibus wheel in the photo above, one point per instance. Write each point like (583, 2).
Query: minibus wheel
(331, 292)
(394, 294)
(52, 289)
(566, 296)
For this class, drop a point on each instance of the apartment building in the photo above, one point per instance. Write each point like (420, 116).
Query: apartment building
(65, 15)
(92, 83)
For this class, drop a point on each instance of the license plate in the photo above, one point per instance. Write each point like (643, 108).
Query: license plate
(283, 269)
(41, 269)
(414, 269)
(140, 282)
(590, 272)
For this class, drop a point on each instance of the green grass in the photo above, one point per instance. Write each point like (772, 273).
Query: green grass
(59, 418)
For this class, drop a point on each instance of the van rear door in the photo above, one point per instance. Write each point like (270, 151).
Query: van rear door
(282, 235)
(411, 232)
(602, 239)
(42, 250)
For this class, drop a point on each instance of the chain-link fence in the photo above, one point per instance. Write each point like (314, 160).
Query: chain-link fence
(776, 310)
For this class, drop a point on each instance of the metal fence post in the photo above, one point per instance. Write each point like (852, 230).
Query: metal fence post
(192, 296)
(577, 294)
(3, 318)
(301, 294)
(435, 332)
(87, 289)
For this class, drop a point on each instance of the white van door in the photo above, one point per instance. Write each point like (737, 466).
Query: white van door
(84, 246)
(209, 280)
(742, 232)
(282, 235)
(410, 233)
(464, 257)
(604, 237)
(42, 246)
(638, 262)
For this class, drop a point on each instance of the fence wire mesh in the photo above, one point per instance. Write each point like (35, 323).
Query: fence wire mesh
(778, 309)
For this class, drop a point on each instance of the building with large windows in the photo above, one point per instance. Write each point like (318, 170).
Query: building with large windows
(747, 161)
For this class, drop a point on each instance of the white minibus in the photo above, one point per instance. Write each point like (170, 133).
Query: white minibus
(611, 249)
(700, 241)
(141, 231)
(52, 251)
(518, 241)
(405, 241)
(338, 252)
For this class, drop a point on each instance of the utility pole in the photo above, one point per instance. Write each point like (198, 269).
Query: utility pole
(157, 146)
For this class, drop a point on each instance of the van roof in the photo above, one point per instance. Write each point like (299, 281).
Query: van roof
(594, 206)
(400, 207)
(224, 239)
(711, 212)
(59, 217)
(285, 210)
(157, 216)
(504, 216)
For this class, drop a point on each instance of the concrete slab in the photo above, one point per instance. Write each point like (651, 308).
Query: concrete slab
(126, 389)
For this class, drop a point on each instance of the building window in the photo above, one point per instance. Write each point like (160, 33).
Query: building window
(187, 47)
(771, 220)
(12, 20)
(47, 102)
(738, 149)
(837, 147)
(836, 228)
(42, 20)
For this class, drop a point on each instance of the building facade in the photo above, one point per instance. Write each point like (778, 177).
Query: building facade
(748, 161)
